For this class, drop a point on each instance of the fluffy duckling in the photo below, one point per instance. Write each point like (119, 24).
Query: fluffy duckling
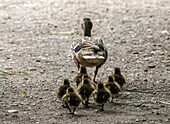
(89, 51)
(61, 90)
(71, 100)
(85, 89)
(79, 75)
(112, 86)
(119, 77)
(101, 95)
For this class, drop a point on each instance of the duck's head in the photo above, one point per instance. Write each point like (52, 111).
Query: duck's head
(87, 26)
(110, 79)
(83, 70)
(66, 82)
(117, 70)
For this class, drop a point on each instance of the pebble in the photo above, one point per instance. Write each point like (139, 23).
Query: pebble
(152, 66)
(12, 111)
(137, 120)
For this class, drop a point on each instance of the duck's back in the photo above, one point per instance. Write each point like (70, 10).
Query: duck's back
(62, 91)
(85, 91)
(119, 79)
(113, 88)
(102, 96)
(89, 51)
(73, 100)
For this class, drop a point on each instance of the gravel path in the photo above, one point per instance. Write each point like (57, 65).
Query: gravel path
(35, 39)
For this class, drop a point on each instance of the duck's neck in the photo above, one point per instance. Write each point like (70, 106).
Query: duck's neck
(87, 33)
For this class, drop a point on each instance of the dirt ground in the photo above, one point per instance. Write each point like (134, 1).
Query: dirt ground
(35, 39)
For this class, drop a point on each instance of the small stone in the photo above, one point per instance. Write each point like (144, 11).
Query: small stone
(109, 69)
(145, 80)
(137, 120)
(165, 32)
(162, 105)
(12, 111)
(138, 105)
(45, 89)
(135, 52)
(72, 71)
(38, 60)
(152, 66)
(25, 78)
(42, 71)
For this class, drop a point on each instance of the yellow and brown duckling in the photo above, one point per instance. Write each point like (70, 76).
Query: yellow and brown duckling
(71, 100)
(119, 77)
(85, 89)
(88, 77)
(112, 86)
(89, 51)
(79, 75)
(61, 90)
(101, 95)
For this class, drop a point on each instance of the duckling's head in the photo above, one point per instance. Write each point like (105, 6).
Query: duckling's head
(86, 81)
(83, 70)
(85, 76)
(117, 70)
(87, 26)
(70, 90)
(100, 85)
(66, 82)
(110, 79)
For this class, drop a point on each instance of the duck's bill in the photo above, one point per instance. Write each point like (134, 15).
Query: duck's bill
(93, 57)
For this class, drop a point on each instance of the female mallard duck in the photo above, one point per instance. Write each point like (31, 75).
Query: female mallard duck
(119, 77)
(61, 90)
(71, 100)
(112, 86)
(85, 89)
(101, 95)
(78, 78)
(89, 51)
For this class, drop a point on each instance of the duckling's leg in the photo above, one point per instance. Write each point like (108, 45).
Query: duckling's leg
(68, 107)
(83, 103)
(86, 103)
(78, 65)
(73, 111)
(102, 109)
(95, 73)
(111, 100)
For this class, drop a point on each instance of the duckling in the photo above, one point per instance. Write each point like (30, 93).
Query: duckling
(78, 77)
(112, 86)
(85, 89)
(119, 77)
(61, 90)
(101, 95)
(71, 100)
(89, 51)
